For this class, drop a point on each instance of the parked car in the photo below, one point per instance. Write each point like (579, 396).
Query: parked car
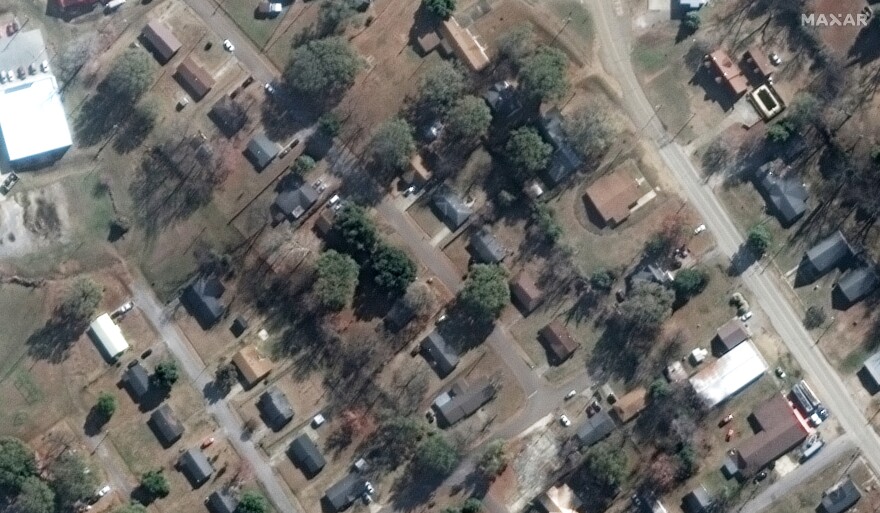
(729, 436)
(746, 316)
(726, 420)
(762, 475)
(775, 59)
(227, 44)
(823, 413)
(570, 394)
(780, 373)
(700, 229)
(123, 309)
(563, 419)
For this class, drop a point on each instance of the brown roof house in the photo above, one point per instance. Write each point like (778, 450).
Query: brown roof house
(728, 72)
(526, 293)
(631, 404)
(612, 196)
(253, 366)
(759, 62)
(730, 335)
(464, 44)
(779, 431)
(194, 78)
(162, 40)
(558, 341)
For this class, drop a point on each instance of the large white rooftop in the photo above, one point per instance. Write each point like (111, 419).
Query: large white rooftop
(729, 374)
(108, 336)
(32, 117)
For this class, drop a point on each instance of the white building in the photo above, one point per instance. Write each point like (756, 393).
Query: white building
(108, 336)
(726, 376)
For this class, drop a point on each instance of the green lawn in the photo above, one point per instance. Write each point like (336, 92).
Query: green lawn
(650, 59)
(21, 311)
(259, 30)
(580, 21)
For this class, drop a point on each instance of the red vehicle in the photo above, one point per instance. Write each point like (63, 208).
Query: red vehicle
(729, 435)
(207, 442)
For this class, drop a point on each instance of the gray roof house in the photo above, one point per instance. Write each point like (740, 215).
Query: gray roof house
(305, 455)
(166, 426)
(697, 500)
(293, 203)
(449, 207)
(221, 502)
(344, 492)
(261, 150)
(442, 357)
(871, 372)
(857, 283)
(825, 255)
(502, 99)
(196, 467)
(275, 408)
(786, 196)
(843, 496)
(486, 247)
(202, 300)
(462, 401)
(565, 159)
(138, 380)
(595, 428)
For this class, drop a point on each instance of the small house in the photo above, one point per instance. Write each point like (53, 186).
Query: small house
(759, 62)
(202, 301)
(464, 44)
(449, 207)
(194, 78)
(107, 335)
(293, 203)
(565, 160)
(730, 335)
(526, 293)
(462, 401)
(305, 455)
(252, 366)
(344, 492)
(631, 404)
(229, 115)
(855, 284)
(138, 380)
(841, 497)
(221, 502)
(275, 408)
(503, 100)
(428, 42)
(196, 467)
(612, 197)
(161, 40)
(439, 354)
(595, 428)
(827, 254)
(166, 426)
(486, 247)
(558, 342)
(261, 151)
(697, 500)
(786, 196)
(239, 326)
(779, 430)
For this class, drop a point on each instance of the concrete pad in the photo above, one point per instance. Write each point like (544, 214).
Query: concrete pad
(659, 5)
(784, 465)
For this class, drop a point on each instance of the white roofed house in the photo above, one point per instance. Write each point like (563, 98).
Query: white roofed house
(108, 337)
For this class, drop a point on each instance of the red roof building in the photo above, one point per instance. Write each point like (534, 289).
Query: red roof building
(729, 72)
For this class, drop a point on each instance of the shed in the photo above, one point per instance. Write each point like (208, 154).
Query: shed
(253, 366)
(595, 428)
(221, 502)
(162, 40)
(166, 426)
(449, 207)
(731, 334)
(526, 292)
(631, 404)
(464, 44)
(612, 196)
(293, 203)
(342, 494)
(305, 455)
(428, 42)
(486, 247)
(138, 380)
(261, 150)
(229, 115)
(559, 499)
(558, 341)
(857, 283)
(439, 354)
(324, 223)
(196, 467)
(697, 500)
(107, 335)
(275, 408)
(202, 300)
(825, 255)
(239, 326)
(844, 495)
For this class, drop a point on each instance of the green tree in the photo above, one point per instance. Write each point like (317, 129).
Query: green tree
(542, 74)
(132, 507)
(252, 502)
(226, 377)
(602, 279)
(814, 317)
(527, 151)
(106, 405)
(472, 505)
(441, 85)
(644, 310)
(334, 16)
(155, 484)
(485, 292)
(393, 144)
(778, 132)
(420, 298)
(303, 164)
(469, 119)
(442, 8)
(130, 76)
(16, 464)
(607, 464)
(759, 239)
(517, 43)
(394, 269)
(690, 282)
(72, 479)
(658, 389)
(337, 279)
(79, 302)
(357, 230)
(399, 438)
(166, 374)
(323, 68)
(436, 457)
(493, 460)
(692, 21)
(546, 221)
(590, 131)
(329, 124)
(35, 496)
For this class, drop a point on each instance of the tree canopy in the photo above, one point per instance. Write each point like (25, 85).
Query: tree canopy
(442, 8)
(226, 377)
(517, 42)
(469, 119)
(398, 438)
(35, 496)
(542, 73)
(758, 239)
(79, 302)
(692, 21)
(607, 464)
(527, 150)
(690, 282)
(252, 502)
(590, 131)
(644, 310)
(357, 230)
(420, 298)
(493, 460)
(166, 374)
(132, 507)
(436, 457)
(545, 220)
(337, 279)
(72, 479)
(393, 144)
(155, 484)
(814, 317)
(394, 269)
(441, 85)
(131, 75)
(485, 292)
(334, 16)
(303, 164)
(323, 67)
(106, 405)
(16, 464)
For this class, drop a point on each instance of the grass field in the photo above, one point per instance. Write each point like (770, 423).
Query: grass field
(21, 310)
(580, 21)
(259, 30)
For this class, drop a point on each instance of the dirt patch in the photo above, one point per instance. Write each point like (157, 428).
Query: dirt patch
(33, 219)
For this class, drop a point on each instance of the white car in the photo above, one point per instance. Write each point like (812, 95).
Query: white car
(564, 420)
(775, 59)
(269, 88)
(700, 229)
(227, 44)
(125, 308)
(570, 394)
(746, 316)
(368, 486)
(103, 491)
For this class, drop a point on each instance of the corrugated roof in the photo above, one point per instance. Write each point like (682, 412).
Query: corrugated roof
(161, 39)
(729, 374)
(195, 78)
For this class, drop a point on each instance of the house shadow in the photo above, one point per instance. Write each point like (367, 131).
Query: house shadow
(867, 381)
(716, 91)
(141, 495)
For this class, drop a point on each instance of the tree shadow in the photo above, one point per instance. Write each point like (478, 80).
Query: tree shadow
(866, 47)
(285, 112)
(53, 340)
(95, 422)
(741, 261)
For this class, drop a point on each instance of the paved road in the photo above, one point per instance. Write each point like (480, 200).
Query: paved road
(200, 376)
(766, 287)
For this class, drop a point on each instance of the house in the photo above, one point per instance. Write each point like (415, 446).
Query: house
(464, 44)
(630, 405)
(293, 203)
(194, 78)
(428, 42)
(221, 502)
(559, 499)
(305, 455)
(417, 174)
(692, 4)
(728, 72)
(462, 401)
(726, 376)
(229, 116)
(558, 341)
(449, 207)
(261, 150)
(786, 196)
(841, 497)
(503, 100)
(870, 372)
(650, 273)
(595, 428)
(565, 160)
(138, 380)
(439, 354)
(779, 431)
(827, 254)
(202, 301)
(252, 366)
(166, 426)
(239, 326)
(730, 335)
(759, 62)
(195, 466)
(526, 293)
(107, 335)
(162, 40)
(267, 8)
(857, 283)
(275, 408)
(486, 247)
(342, 494)
(612, 196)
(697, 500)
